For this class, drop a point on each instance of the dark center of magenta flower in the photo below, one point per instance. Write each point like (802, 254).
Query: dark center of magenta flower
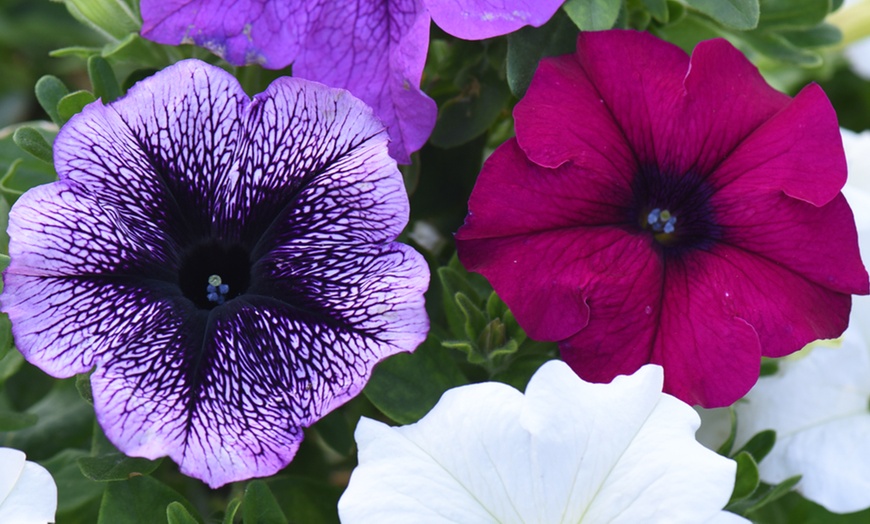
(213, 272)
(660, 199)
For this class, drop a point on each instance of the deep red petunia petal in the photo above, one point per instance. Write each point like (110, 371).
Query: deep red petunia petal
(710, 353)
(798, 151)
(796, 236)
(682, 115)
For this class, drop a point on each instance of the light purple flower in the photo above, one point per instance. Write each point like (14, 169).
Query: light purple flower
(375, 49)
(227, 265)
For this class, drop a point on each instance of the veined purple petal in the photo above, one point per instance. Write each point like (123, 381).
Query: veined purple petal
(262, 32)
(290, 200)
(479, 19)
(377, 51)
(327, 174)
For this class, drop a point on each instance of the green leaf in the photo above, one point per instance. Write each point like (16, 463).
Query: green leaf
(232, 509)
(113, 19)
(725, 448)
(471, 353)
(304, 500)
(335, 431)
(737, 14)
(792, 14)
(467, 116)
(19, 171)
(822, 35)
(658, 9)
(475, 320)
(760, 444)
(33, 142)
(49, 90)
(453, 282)
(65, 420)
(9, 364)
(777, 47)
(13, 421)
(595, 15)
(116, 466)
(527, 46)
(176, 513)
(774, 493)
(139, 500)
(73, 103)
(77, 495)
(259, 505)
(747, 477)
(103, 79)
(406, 386)
(83, 385)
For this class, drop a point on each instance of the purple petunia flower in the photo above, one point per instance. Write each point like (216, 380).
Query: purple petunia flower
(686, 214)
(227, 265)
(375, 49)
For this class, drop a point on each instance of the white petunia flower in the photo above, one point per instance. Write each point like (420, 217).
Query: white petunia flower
(28, 494)
(566, 451)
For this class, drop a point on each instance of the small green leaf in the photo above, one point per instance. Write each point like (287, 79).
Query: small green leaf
(113, 19)
(116, 466)
(103, 79)
(529, 45)
(406, 386)
(73, 103)
(471, 352)
(83, 385)
(259, 505)
(176, 513)
(140, 499)
(737, 14)
(49, 90)
(728, 445)
(775, 493)
(777, 47)
(769, 366)
(453, 282)
(747, 477)
(77, 495)
(492, 337)
(759, 445)
(232, 509)
(9, 364)
(467, 116)
(594, 15)
(822, 35)
(475, 320)
(33, 142)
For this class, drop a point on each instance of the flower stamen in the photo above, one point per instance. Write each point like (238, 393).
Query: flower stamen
(661, 221)
(216, 290)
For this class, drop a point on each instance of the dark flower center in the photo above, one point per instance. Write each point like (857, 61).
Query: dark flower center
(213, 272)
(660, 199)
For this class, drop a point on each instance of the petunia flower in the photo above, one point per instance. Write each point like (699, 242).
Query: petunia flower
(375, 49)
(685, 214)
(566, 451)
(817, 404)
(28, 494)
(228, 266)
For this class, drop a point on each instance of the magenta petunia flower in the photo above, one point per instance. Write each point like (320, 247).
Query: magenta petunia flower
(685, 214)
(375, 49)
(228, 266)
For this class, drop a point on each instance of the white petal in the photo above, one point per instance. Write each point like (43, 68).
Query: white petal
(818, 407)
(565, 451)
(13, 464)
(33, 498)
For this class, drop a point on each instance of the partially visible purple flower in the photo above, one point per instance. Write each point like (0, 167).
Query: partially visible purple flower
(227, 265)
(375, 49)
